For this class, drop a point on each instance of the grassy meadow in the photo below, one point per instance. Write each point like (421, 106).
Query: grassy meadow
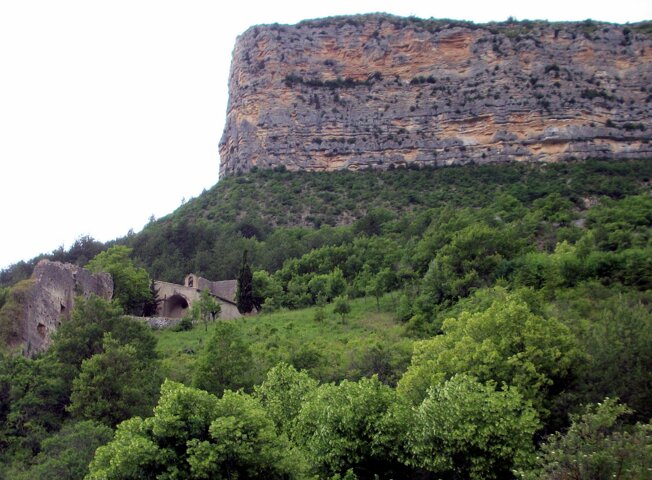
(366, 339)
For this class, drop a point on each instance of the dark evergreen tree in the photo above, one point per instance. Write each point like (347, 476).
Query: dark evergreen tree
(151, 304)
(245, 294)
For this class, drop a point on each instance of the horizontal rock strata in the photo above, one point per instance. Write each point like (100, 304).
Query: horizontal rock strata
(381, 91)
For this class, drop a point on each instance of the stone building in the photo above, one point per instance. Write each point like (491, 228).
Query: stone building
(175, 299)
(47, 299)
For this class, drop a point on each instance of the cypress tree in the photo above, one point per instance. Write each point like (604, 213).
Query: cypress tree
(150, 306)
(245, 294)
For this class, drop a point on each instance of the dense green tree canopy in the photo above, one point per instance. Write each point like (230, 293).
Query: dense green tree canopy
(283, 393)
(225, 362)
(33, 397)
(66, 454)
(506, 343)
(266, 289)
(464, 429)
(114, 385)
(614, 327)
(474, 258)
(195, 435)
(597, 446)
(339, 426)
(131, 285)
(82, 335)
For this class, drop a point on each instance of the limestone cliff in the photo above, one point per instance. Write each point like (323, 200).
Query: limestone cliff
(50, 298)
(377, 90)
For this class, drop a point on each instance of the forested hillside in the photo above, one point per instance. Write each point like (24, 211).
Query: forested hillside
(476, 322)
(277, 215)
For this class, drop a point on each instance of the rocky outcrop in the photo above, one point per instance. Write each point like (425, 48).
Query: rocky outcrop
(377, 90)
(51, 297)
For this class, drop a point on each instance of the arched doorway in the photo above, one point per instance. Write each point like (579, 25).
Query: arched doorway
(176, 306)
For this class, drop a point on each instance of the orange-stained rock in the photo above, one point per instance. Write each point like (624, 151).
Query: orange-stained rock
(378, 90)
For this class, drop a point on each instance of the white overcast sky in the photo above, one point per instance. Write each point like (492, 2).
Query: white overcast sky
(111, 111)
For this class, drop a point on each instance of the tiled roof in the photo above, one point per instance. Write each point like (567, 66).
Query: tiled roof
(225, 289)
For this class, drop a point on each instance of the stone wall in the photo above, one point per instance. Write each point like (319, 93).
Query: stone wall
(159, 323)
(378, 90)
(176, 299)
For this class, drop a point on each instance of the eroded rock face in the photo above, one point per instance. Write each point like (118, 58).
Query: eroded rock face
(51, 298)
(378, 90)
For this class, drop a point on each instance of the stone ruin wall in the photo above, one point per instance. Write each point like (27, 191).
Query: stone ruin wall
(51, 298)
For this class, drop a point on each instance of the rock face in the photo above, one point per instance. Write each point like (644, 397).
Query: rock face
(377, 90)
(51, 298)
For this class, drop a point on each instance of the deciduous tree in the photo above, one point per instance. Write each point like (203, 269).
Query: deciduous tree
(205, 310)
(131, 285)
(340, 428)
(464, 429)
(114, 385)
(342, 307)
(66, 454)
(195, 435)
(506, 343)
(597, 446)
(225, 362)
(283, 393)
(82, 335)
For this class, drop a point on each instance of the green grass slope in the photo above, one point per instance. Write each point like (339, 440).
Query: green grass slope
(367, 341)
